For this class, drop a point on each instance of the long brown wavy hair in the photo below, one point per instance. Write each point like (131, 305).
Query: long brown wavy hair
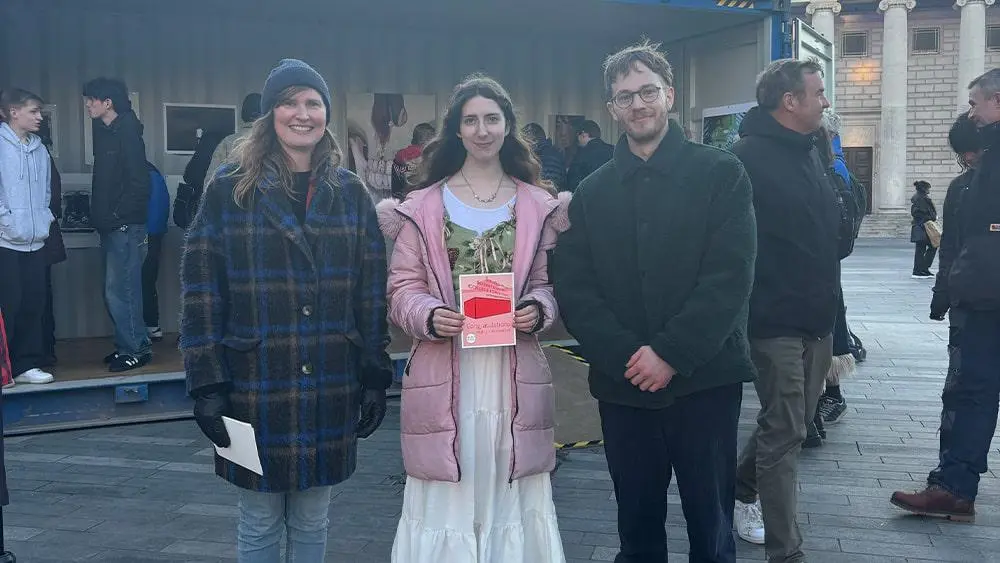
(261, 160)
(445, 155)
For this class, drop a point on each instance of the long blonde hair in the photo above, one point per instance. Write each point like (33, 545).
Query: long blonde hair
(259, 156)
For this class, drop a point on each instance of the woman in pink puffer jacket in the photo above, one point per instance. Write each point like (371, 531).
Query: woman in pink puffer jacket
(477, 424)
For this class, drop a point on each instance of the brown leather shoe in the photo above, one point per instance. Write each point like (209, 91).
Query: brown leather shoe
(935, 501)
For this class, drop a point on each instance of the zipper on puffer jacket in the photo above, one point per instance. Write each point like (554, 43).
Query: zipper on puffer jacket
(406, 370)
(513, 373)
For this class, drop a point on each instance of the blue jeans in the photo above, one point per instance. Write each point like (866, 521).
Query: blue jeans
(124, 253)
(971, 399)
(264, 516)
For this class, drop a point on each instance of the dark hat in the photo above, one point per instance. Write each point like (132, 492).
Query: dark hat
(292, 72)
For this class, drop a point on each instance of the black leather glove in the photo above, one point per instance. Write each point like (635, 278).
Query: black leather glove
(372, 412)
(940, 304)
(209, 408)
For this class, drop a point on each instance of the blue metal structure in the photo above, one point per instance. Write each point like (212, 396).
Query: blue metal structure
(95, 402)
(778, 10)
(741, 6)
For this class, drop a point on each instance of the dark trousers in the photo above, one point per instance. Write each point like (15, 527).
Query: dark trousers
(923, 257)
(949, 404)
(22, 303)
(971, 400)
(694, 438)
(841, 334)
(49, 323)
(150, 273)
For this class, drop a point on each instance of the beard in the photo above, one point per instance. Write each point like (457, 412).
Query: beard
(650, 129)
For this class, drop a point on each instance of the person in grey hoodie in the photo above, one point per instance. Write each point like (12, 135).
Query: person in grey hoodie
(25, 218)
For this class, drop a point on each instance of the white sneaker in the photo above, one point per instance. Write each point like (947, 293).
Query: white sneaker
(749, 522)
(34, 375)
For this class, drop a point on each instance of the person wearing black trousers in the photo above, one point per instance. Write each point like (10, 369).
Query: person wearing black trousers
(156, 228)
(922, 210)
(25, 217)
(55, 252)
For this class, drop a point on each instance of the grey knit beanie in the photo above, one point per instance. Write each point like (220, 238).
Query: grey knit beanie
(292, 72)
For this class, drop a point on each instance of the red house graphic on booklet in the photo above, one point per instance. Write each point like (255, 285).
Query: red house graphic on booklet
(482, 307)
(488, 305)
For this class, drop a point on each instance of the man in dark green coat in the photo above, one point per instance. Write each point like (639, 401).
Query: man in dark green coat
(653, 278)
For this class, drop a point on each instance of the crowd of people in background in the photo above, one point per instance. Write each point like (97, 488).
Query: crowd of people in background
(291, 272)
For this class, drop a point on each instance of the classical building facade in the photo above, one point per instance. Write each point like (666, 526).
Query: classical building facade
(902, 68)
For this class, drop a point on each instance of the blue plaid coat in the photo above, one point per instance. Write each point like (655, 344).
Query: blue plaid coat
(292, 316)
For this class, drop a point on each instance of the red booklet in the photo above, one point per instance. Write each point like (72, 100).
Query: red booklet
(488, 305)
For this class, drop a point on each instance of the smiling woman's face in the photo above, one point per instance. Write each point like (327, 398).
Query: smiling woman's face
(483, 128)
(300, 120)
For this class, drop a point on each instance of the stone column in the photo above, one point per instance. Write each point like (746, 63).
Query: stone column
(972, 46)
(891, 191)
(823, 13)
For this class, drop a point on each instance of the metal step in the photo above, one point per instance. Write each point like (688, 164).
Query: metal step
(106, 401)
(101, 401)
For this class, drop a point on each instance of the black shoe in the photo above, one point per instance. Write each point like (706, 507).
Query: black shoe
(111, 357)
(831, 409)
(813, 438)
(126, 362)
(820, 427)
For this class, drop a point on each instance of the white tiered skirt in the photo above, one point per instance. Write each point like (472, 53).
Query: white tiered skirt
(483, 518)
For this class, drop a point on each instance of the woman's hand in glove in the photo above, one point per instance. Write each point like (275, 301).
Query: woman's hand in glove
(372, 412)
(209, 408)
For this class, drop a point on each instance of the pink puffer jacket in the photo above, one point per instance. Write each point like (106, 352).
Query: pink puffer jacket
(419, 281)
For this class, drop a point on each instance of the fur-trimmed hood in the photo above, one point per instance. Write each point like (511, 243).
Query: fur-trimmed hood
(392, 212)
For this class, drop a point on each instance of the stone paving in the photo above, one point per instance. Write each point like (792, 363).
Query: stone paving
(147, 493)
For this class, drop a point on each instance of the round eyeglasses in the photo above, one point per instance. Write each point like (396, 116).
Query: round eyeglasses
(649, 94)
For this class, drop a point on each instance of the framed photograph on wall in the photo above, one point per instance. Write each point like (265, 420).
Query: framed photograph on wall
(379, 126)
(185, 123)
(720, 126)
(49, 130)
(88, 129)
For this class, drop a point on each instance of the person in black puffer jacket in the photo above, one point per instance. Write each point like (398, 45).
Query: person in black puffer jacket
(922, 210)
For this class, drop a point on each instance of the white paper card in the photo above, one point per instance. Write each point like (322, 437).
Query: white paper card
(242, 448)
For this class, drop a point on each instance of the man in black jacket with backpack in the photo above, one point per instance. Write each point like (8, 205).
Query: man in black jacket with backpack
(974, 287)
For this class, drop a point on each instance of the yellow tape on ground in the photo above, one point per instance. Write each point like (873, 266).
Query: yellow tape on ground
(568, 352)
(578, 445)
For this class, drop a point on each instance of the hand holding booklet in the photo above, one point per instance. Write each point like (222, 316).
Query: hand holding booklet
(242, 449)
(487, 302)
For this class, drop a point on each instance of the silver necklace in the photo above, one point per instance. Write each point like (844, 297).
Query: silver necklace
(489, 200)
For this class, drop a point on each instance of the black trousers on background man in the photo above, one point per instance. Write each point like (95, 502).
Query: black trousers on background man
(150, 274)
(49, 323)
(694, 438)
(22, 301)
